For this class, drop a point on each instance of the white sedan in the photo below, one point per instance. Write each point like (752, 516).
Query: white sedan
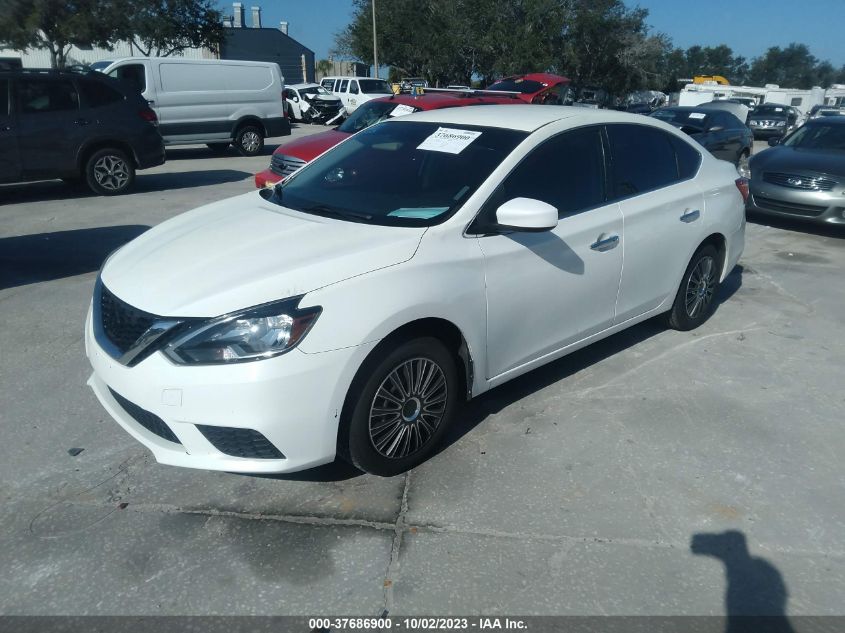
(423, 261)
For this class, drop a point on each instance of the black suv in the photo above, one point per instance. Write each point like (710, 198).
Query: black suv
(73, 126)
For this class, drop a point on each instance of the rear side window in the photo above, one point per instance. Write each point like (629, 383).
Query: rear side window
(43, 95)
(96, 94)
(353, 87)
(689, 159)
(343, 85)
(133, 74)
(643, 159)
(567, 172)
(4, 97)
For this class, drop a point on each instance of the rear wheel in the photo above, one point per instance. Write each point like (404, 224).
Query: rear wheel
(406, 400)
(109, 172)
(695, 299)
(249, 140)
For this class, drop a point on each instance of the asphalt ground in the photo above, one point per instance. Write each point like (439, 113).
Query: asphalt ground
(656, 472)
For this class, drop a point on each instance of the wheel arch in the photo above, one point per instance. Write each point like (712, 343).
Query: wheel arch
(88, 149)
(249, 119)
(720, 243)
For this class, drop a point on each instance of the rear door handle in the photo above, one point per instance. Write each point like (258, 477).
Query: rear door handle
(605, 243)
(690, 215)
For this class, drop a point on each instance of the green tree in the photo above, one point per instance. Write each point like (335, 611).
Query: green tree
(163, 27)
(792, 67)
(56, 25)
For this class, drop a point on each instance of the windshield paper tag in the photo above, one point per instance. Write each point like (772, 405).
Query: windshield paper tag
(401, 109)
(449, 140)
(697, 115)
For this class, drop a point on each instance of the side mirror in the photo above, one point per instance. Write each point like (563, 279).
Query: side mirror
(774, 141)
(527, 214)
(295, 99)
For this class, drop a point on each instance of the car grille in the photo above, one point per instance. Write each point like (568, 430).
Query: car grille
(240, 442)
(807, 210)
(284, 165)
(123, 324)
(324, 106)
(149, 421)
(796, 181)
(763, 123)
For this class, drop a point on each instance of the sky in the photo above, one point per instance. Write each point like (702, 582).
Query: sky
(749, 27)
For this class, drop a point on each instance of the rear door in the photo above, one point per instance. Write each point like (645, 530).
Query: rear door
(51, 128)
(663, 209)
(9, 156)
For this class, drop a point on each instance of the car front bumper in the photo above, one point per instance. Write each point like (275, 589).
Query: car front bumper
(768, 132)
(293, 400)
(826, 207)
(266, 178)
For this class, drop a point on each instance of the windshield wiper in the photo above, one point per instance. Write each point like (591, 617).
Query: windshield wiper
(329, 212)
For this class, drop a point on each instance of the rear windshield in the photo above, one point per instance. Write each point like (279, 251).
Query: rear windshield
(371, 113)
(401, 173)
(374, 86)
(525, 86)
(770, 110)
(683, 118)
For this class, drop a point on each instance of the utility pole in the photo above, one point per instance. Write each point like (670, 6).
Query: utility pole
(375, 46)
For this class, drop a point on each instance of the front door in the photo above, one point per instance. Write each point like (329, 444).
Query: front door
(10, 162)
(548, 290)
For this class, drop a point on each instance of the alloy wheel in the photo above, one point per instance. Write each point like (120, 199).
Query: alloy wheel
(407, 408)
(250, 141)
(700, 287)
(111, 172)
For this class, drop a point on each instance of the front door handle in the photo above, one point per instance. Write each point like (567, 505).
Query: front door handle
(605, 243)
(690, 215)
(5, 128)
(82, 122)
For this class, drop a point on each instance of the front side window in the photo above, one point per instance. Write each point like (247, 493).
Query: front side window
(343, 85)
(38, 95)
(566, 171)
(643, 159)
(399, 173)
(353, 87)
(133, 74)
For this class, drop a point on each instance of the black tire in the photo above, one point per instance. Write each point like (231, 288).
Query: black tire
(369, 447)
(696, 296)
(109, 172)
(249, 140)
(218, 148)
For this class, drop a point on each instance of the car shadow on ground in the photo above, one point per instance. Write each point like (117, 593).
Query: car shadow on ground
(50, 190)
(28, 259)
(798, 226)
(493, 401)
(756, 594)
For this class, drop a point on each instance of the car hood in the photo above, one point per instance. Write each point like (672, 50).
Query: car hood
(791, 159)
(309, 147)
(328, 98)
(246, 251)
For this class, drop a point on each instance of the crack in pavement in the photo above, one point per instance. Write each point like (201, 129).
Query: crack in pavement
(393, 564)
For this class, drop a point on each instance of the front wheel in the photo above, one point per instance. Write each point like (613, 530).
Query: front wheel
(249, 140)
(695, 299)
(406, 400)
(109, 172)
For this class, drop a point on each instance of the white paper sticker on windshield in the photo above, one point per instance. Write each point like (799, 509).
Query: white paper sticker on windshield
(402, 109)
(449, 140)
(697, 115)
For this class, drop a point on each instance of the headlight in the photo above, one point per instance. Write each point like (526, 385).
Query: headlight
(780, 123)
(254, 334)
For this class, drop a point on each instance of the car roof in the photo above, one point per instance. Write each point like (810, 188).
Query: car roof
(436, 100)
(299, 86)
(527, 117)
(828, 120)
(690, 109)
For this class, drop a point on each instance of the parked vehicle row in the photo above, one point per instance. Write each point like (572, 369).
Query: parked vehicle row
(354, 91)
(350, 309)
(81, 128)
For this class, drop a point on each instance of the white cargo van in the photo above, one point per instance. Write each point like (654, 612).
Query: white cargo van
(216, 102)
(353, 91)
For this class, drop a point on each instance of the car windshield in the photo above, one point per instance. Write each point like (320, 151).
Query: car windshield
(525, 86)
(374, 86)
(818, 136)
(770, 110)
(683, 118)
(371, 113)
(400, 173)
(314, 90)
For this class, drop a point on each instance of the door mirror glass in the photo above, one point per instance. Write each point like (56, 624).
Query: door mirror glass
(527, 214)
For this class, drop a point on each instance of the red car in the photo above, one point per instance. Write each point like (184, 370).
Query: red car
(291, 156)
(542, 88)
